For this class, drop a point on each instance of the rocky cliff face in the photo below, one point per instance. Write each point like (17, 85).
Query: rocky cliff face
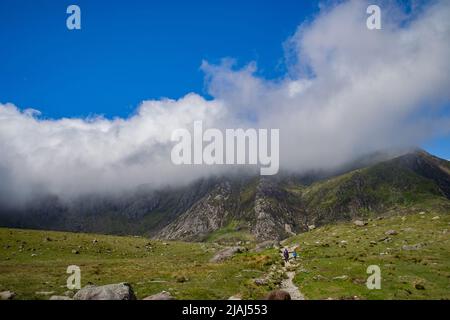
(265, 208)
(267, 216)
(207, 215)
(274, 218)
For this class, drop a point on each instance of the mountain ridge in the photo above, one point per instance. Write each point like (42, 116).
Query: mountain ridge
(250, 207)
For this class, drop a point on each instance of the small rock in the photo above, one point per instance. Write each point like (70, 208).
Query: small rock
(163, 295)
(7, 295)
(235, 297)
(260, 282)
(359, 223)
(413, 247)
(75, 251)
(311, 227)
(435, 218)
(391, 233)
(344, 277)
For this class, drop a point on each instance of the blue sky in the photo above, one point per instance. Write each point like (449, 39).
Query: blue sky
(125, 54)
(128, 53)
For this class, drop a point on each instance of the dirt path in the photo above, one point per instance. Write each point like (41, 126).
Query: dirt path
(289, 286)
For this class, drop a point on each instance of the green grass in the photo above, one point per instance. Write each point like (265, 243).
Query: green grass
(324, 257)
(149, 266)
(33, 261)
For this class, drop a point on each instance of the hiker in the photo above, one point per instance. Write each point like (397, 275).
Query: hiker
(286, 255)
(294, 254)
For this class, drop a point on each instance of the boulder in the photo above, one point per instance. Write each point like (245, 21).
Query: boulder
(413, 247)
(163, 295)
(119, 291)
(359, 223)
(7, 295)
(260, 282)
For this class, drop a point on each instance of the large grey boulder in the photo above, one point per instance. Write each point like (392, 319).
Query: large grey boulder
(119, 291)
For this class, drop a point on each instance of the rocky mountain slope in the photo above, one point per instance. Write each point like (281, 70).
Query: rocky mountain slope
(247, 207)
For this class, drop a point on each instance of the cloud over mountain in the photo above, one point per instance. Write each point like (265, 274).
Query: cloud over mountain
(349, 91)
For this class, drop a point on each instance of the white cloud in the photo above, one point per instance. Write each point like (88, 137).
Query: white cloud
(350, 91)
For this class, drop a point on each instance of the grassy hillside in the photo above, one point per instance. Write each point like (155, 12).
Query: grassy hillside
(373, 189)
(414, 262)
(36, 261)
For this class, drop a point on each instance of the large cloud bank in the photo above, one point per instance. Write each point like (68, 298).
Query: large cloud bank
(349, 91)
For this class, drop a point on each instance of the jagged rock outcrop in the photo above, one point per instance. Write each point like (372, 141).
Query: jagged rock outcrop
(274, 219)
(207, 215)
(267, 217)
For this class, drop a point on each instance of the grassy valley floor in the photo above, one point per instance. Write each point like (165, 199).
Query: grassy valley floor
(411, 249)
(33, 264)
